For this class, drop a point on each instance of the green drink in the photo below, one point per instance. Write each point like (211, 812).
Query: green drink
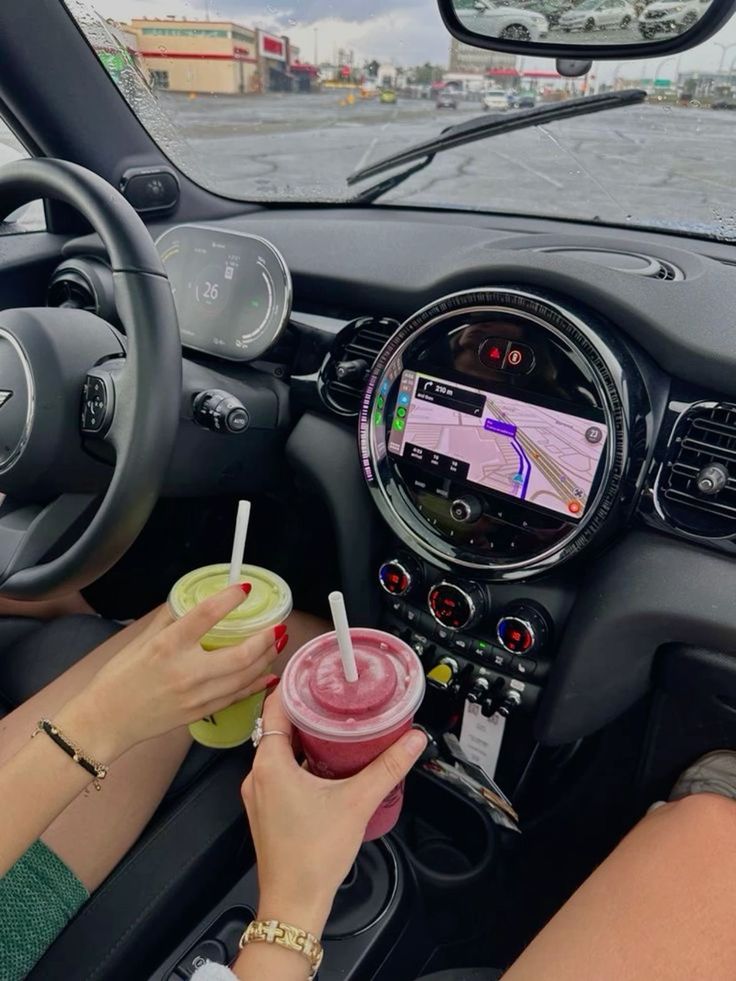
(268, 604)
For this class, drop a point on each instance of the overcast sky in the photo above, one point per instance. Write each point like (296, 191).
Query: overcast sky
(406, 32)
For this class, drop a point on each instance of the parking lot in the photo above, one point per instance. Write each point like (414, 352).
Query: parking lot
(662, 164)
(649, 164)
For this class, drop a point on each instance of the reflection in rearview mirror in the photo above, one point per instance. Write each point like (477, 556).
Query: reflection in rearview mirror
(593, 22)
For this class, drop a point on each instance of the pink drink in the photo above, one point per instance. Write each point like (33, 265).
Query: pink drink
(345, 725)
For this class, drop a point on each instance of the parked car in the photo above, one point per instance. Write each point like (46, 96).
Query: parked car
(668, 17)
(512, 23)
(598, 15)
(446, 99)
(551, 9)
(496, 99)
(723, 104)
(522, 100)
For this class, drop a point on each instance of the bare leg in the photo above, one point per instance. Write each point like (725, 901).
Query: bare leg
(45, 609)
(96, 830)
(302, 627)
(660, 908)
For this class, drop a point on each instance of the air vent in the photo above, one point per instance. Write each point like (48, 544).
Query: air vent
(696, 488)
(356, 347)
(634, 263)
(69, 288)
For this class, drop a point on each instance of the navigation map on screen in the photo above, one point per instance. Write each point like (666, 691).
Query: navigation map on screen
(529, 452)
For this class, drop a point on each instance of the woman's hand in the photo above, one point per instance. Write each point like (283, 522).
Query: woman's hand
(164, 679)
(306, 830)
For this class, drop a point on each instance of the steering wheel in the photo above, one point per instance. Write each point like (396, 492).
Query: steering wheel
(79, 401)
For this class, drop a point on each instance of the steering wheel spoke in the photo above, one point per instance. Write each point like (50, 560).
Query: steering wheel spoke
(33, 533)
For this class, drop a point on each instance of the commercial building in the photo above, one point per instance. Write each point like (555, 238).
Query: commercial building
(198, 56)
(274, 60)
(465, 59)
(219, 57)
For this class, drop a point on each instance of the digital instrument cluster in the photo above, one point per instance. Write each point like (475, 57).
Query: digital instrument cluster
(496, 431)
(232, 290)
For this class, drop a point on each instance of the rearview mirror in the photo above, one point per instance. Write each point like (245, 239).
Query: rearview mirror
(585, 29)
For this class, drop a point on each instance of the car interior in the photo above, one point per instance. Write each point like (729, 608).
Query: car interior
(506, 438)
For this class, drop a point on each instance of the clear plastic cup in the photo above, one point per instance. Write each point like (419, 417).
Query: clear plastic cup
(268, 604)
(343, 726)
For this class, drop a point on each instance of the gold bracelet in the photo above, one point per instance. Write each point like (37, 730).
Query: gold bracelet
(285, 935)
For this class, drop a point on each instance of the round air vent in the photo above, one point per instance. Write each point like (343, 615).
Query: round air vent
(635, 263)
(83, 284)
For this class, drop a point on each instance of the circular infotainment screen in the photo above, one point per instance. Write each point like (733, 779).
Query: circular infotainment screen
(232, 291)
(493, 431)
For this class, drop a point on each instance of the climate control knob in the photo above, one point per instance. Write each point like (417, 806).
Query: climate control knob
(522, 630)
(397, 576)
(456, 606)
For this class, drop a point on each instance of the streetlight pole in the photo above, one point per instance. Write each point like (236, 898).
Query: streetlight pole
(664, 61)
(724, 48)
(316, 59)
(659, 68)
(730, 70)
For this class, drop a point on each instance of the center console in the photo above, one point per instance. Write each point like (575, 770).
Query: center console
(424, 884)
(501, 435)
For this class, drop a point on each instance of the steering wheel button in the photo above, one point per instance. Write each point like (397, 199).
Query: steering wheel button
(94, 405)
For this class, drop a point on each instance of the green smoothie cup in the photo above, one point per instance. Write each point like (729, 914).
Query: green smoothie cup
(268, 604)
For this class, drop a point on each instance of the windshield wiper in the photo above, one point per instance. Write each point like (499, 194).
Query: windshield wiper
(480, 128)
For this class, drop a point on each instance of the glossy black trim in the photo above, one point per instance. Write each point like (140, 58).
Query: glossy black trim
(623, 399)
(716, 16)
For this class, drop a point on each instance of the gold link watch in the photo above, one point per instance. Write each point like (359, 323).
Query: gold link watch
(285, 935)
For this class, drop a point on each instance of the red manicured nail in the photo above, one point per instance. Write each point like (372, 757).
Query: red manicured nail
(246, 587)
(281, 643)
(271, 681)
(279, 631)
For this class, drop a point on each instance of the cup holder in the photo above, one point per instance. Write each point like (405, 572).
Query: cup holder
(450, 843)
(366, 892)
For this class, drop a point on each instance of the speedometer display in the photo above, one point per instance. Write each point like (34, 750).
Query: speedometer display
(232, 290)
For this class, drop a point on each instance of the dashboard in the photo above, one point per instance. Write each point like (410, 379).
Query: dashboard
(232, 290)
(493, 414)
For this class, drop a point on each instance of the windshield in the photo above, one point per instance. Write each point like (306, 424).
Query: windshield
(283, 101)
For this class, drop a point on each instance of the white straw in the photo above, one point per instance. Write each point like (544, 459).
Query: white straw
(342, 630)
(241, 530)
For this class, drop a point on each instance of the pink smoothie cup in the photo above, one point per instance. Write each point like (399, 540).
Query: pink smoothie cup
(345, 725)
